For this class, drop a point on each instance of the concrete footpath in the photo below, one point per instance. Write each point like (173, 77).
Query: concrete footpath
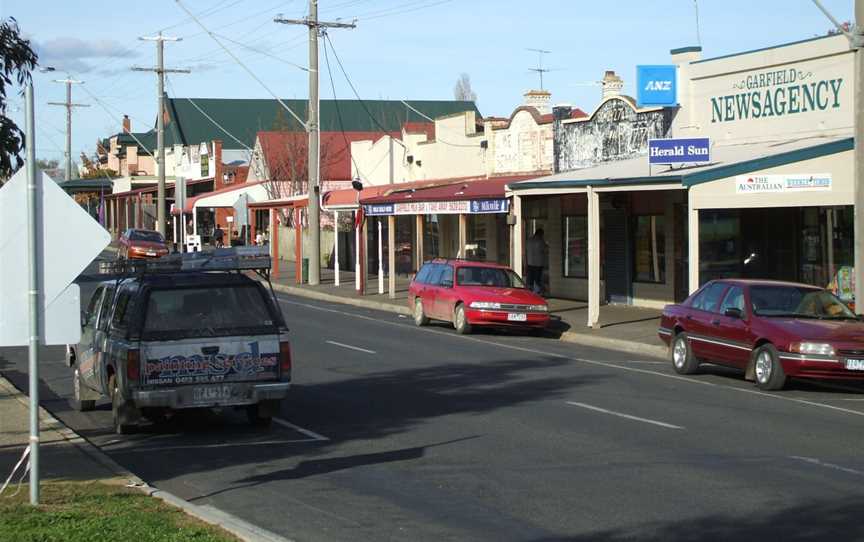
(622, 328)
(66, 456)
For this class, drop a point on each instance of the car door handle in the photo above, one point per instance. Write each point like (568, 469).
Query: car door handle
(715, 322)
(689, 317)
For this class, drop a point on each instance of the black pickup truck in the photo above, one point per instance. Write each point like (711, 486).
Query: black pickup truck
(180, 336)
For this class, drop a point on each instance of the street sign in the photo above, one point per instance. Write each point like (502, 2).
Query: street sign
(656, 85)
(68, 241)
(676, 151)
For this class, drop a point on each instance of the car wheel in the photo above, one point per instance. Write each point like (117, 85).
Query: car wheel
(420, 318)
(683, 360)
(767, 368)
(460, 321)
(79, 404)
(119, 427)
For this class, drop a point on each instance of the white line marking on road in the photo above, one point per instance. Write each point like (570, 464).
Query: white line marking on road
(832, 466)
(628, 416)
(141, 449)
(299, 429)
(334, 343)
(583, 360)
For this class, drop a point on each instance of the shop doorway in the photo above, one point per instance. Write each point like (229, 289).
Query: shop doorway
(615, 245)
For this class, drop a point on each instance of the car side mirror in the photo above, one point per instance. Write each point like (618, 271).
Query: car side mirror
(734, 312)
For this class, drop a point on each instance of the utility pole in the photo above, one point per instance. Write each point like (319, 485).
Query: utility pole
(856, 43)
(312, 126)
(69, 106)
(160, 122)
(540, 69)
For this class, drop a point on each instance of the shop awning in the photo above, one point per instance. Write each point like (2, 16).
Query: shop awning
(293, 201)
(465, 197)
(227, 197)
(169, 185)
(726, 161)
(336, 200)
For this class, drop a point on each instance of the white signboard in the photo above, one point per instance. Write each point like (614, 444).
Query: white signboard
(68, 241)
(803, 182)
(432, 207)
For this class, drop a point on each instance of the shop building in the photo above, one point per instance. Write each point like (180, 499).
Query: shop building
(774, 200)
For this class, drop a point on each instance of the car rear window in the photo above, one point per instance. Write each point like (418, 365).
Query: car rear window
(488, 276)
(206, 312)
(151, 236)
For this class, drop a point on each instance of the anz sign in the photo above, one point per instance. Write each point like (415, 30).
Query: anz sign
(656, 85)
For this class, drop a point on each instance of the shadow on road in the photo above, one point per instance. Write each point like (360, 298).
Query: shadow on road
(820, 520)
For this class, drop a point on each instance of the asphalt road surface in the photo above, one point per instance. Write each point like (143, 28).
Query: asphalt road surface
(394, 432)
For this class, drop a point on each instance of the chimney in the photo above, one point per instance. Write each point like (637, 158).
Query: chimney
(218, 167)
(127, 124)
(538, 99)
(612, 84)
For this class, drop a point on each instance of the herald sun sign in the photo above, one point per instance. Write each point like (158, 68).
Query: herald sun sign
(656, 85)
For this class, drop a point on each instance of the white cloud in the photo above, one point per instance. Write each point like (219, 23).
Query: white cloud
(79, 56)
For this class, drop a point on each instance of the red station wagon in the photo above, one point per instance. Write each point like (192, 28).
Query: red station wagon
(137, 244)
(772, 330)
(471, 294)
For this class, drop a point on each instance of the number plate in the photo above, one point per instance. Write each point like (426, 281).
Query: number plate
(855, 364)
(517, 317)
(206, 394)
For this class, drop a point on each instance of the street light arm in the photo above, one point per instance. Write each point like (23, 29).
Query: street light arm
(837, 24)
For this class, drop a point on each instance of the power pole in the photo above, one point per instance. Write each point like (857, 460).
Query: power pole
(540, 69)
(68, 105)
(160, 122)
(312, 126)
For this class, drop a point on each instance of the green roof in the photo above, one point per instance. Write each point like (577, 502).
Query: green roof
(244, 118)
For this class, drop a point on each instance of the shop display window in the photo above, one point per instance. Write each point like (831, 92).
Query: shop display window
(575, 246)
(649, 246)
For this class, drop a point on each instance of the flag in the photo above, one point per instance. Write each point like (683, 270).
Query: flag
(359, 217)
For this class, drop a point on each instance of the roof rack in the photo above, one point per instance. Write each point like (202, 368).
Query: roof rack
(221, 259)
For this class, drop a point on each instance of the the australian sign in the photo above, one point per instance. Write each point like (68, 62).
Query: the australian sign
(675, 151)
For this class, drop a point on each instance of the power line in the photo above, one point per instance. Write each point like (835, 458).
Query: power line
(400, 10)
(239, 62)
(338, 112)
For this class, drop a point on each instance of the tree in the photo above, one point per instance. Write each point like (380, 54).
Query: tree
(462, 90)
(17, 60)
(42, 163)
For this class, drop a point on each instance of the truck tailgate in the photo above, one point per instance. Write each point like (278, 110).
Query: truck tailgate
(210, 360)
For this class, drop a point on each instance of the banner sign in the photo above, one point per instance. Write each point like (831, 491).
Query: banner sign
(378, 209)
(656, 85)
(760, 184)
(482, 206)
(675, 151)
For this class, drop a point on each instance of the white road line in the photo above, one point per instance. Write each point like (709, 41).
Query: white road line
(334, 343)
(299, 429)
(142, 449)
(628, 416)
(584, 360)
(832, 466)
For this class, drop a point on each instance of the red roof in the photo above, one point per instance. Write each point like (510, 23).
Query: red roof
(460, 190)
(286, 150)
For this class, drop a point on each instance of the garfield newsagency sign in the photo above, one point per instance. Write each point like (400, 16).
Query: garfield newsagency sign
(760, 184)
(776, 93)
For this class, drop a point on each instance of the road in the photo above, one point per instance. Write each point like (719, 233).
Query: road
(394, 432)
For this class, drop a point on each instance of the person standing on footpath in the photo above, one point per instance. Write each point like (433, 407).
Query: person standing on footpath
(218, 236)
(536, 248)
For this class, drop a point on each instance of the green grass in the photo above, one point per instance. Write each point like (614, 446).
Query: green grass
(92, 511)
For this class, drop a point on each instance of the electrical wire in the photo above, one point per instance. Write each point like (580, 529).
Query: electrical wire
(117, 119)
(250, 72)
(338, 112)
(389, 12)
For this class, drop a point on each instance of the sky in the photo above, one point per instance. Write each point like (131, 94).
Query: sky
(400, 49)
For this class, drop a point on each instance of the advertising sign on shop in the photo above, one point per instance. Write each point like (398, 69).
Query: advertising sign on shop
(480, 206)
(490, 206)
(378, 209)
(656, 85)
(675, 151)
(760, 184)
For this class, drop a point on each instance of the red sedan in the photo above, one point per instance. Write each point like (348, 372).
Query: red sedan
(141, 245)
(471, 294)
(772, 330)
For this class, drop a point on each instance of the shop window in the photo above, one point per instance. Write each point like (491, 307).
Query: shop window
(575, 261)
(649, 247)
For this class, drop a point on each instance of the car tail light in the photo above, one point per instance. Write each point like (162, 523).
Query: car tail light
(285, 357)
(133, 367)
